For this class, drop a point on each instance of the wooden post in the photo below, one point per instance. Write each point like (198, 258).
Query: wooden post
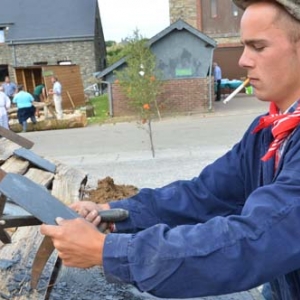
(71, 100)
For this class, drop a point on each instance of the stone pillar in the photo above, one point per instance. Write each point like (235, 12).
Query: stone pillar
(187, 10)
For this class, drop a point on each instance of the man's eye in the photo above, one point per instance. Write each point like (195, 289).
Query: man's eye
(258, 48)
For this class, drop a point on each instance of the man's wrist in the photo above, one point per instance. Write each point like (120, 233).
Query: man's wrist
(104, 206)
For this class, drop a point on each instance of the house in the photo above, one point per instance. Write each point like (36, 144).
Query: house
(219, 20)
(184, 58)
(55, 32)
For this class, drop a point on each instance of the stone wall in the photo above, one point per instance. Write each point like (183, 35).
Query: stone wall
(5, 55)
(180, 96)
(6, 58)
(79, 53)
(185, 10)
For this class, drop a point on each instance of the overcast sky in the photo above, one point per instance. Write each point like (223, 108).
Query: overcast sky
(121, 17)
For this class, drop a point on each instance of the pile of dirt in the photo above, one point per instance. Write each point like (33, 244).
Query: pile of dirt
(107, 191)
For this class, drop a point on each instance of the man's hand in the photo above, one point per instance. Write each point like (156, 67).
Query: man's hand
(78, 242)
(89, 210)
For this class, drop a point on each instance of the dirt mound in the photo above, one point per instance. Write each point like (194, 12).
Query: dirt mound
(107, 191)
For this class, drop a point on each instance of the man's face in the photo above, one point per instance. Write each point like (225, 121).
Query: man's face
(270, 57)
(7, 79)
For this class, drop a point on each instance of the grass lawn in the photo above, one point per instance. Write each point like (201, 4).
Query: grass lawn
(101, 109)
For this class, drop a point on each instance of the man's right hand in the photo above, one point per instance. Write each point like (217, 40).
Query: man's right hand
(89, 210)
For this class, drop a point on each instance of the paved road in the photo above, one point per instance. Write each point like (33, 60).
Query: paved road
(183, 146)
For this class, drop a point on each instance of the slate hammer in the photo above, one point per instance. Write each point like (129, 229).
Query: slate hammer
(44, 208)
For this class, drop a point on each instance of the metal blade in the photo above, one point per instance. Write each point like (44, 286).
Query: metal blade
(43, 254)
(14, 137)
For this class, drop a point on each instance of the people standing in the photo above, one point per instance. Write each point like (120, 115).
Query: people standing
(217, 78)
(9, 87)
(39, 95)
(56, 91)
(5, 104)
(26, 110)
(235, 225)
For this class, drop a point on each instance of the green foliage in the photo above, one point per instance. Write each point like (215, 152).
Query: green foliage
(101, 109)
(140, 81)
(110, 43)
(115, 53)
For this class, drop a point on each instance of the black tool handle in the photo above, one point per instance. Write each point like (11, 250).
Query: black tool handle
(110, 215)
(113, 215)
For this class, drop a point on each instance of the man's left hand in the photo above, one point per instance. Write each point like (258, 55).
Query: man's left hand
(78, 242)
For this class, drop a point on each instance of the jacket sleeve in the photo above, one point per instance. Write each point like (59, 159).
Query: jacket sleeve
(223, 255)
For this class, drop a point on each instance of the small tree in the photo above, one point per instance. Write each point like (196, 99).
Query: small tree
(140, 82)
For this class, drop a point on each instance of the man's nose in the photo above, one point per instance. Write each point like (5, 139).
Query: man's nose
(245, 60)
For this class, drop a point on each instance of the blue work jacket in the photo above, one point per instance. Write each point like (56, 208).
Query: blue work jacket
(232, 228)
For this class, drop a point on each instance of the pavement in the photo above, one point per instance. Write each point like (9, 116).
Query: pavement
(183, 146)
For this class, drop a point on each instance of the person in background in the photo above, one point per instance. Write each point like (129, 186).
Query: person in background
(9, 87)
(39, 95)
(5, 104)
(217, 78)
(236, 225)
(56, 91)
(26, 109)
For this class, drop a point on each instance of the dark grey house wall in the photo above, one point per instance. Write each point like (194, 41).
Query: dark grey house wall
(179, 54)
(99, 44)
(186, 57)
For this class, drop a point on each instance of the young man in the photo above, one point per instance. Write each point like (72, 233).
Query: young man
(236, 225)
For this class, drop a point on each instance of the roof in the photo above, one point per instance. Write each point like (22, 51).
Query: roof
(181, 25)
(178, 25)
(34, 21)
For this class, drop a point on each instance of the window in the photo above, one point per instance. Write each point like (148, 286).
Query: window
(213, 8)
